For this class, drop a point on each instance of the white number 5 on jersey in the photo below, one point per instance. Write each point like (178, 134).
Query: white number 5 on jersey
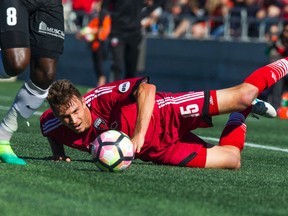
(190, 110)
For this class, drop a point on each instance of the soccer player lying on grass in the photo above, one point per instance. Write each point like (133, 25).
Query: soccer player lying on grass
(159, 124)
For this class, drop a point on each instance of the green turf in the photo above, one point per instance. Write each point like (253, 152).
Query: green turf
(78, 188)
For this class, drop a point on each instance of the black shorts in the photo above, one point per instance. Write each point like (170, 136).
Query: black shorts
(38, 24)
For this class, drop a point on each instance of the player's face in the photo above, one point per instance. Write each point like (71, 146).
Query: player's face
(75, 115)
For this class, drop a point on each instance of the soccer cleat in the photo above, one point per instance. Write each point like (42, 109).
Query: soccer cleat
(8, 156)
(260, 107)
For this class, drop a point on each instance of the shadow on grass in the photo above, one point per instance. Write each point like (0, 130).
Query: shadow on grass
(49, 159)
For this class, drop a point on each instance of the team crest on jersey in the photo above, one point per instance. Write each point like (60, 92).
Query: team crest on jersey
(100, 124)
(114, 125)
(124, 87)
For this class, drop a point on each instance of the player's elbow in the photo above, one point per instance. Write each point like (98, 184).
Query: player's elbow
(147, 89)
(152, 88)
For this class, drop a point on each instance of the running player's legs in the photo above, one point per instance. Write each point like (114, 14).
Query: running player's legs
(15, 45)
(47, 38)
(14, 37)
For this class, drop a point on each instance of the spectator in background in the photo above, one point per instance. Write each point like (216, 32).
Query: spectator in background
(217, 10)
(180, 13)
(284, 12)
(95, 34)
(177, 12)
(82, 9)
(151, 23)
(252, 8)
(193, 21)
(277, 49)
(240, 7)
(198, 24)
(126, 34)
(270, 13)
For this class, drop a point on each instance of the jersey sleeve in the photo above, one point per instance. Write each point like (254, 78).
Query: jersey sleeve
(108, 97)
(48, 123)
(124, 89)
(131, 85)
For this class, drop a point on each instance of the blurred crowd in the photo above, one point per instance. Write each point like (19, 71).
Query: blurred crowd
(243, 19)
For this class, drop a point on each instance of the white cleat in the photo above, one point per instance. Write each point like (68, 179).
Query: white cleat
(262, 108)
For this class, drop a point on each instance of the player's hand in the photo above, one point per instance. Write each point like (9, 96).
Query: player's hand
(138, 142)
(59, 158)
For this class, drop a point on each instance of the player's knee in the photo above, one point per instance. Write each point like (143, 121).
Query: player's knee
(245, 101)
(233, 161)
(248, 94)
(15, 68)
(15, 61)
(238, 166)
(235, 164)
(245, 97)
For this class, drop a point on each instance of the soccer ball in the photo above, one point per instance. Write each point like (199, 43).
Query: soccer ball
(87, 33)
(112, 151)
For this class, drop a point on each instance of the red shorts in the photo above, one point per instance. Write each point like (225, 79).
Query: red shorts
(175, 144)
(189, 151)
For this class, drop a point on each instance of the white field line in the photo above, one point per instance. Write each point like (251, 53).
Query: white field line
(37, 113)
(5, 98)
(253, 145)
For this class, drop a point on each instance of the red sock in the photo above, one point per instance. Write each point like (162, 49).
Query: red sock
(234, 132)
(268, 75)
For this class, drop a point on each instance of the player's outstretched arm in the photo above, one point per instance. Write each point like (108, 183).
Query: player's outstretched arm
(145, 98)
(58, 151)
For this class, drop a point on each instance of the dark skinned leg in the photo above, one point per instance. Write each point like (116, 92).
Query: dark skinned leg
(42, 74)
(15, 60)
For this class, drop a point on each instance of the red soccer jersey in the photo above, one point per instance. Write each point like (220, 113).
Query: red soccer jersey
(113, 106)
(106, 104)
